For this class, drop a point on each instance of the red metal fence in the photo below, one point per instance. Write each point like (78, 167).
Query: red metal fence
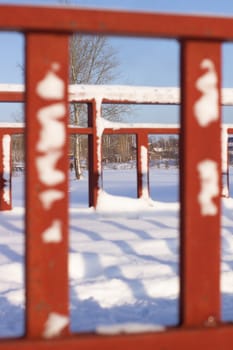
(97, 127)
(94, 156)
(101, 94)
(47, 33)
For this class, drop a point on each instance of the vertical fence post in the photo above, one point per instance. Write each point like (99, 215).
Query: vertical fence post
(142, 165)
(46, 185)
(5, 172)
(94, 152)
(200, 183)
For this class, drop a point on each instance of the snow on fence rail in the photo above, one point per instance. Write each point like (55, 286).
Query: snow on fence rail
(97, 95)
(112, 93)
(47, 32)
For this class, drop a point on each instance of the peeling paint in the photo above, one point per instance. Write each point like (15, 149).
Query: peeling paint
(47, 171)
(55, 324)
(51, 86)
(50, 148)
(48, 197)
(209, 179)
(52, 134)
(206, 107)
(53, 234)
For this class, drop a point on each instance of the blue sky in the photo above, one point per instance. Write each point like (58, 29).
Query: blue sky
(199, 6)
(142, 61)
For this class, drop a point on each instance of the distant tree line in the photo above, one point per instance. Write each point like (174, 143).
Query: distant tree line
(115, 148)
(18, 152)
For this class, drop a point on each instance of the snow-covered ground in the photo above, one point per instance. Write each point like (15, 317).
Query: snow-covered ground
(123, 264)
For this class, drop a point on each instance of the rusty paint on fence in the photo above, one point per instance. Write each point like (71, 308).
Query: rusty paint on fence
(46, 185)
(200, 183)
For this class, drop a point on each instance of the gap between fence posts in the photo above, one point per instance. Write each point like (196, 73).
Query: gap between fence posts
(5, 171)
(142, 165)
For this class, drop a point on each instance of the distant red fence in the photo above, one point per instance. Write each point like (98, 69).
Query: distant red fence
(98, 126)
(94, 97)
(47, 33)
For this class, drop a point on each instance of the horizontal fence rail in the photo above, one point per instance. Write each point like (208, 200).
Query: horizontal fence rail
(118, 94)
(70, 20)
(142, 131)
(112, 93)
(92, 95)
(47, 32)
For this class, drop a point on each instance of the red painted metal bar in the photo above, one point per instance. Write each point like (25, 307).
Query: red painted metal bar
(138, 131)
(204, 338)
(200, 183)
(29, 18)
(80, 131)
(89, 130)
(5, 172)
(95, 178)
(12, 96)
(46, 185)
(12, 131)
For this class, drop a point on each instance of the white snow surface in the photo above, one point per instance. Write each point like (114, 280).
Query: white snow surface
(123, 262)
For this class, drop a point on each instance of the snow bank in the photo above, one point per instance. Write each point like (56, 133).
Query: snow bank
(129, 207)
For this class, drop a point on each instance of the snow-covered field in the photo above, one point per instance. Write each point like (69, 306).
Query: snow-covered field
(123, 263)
